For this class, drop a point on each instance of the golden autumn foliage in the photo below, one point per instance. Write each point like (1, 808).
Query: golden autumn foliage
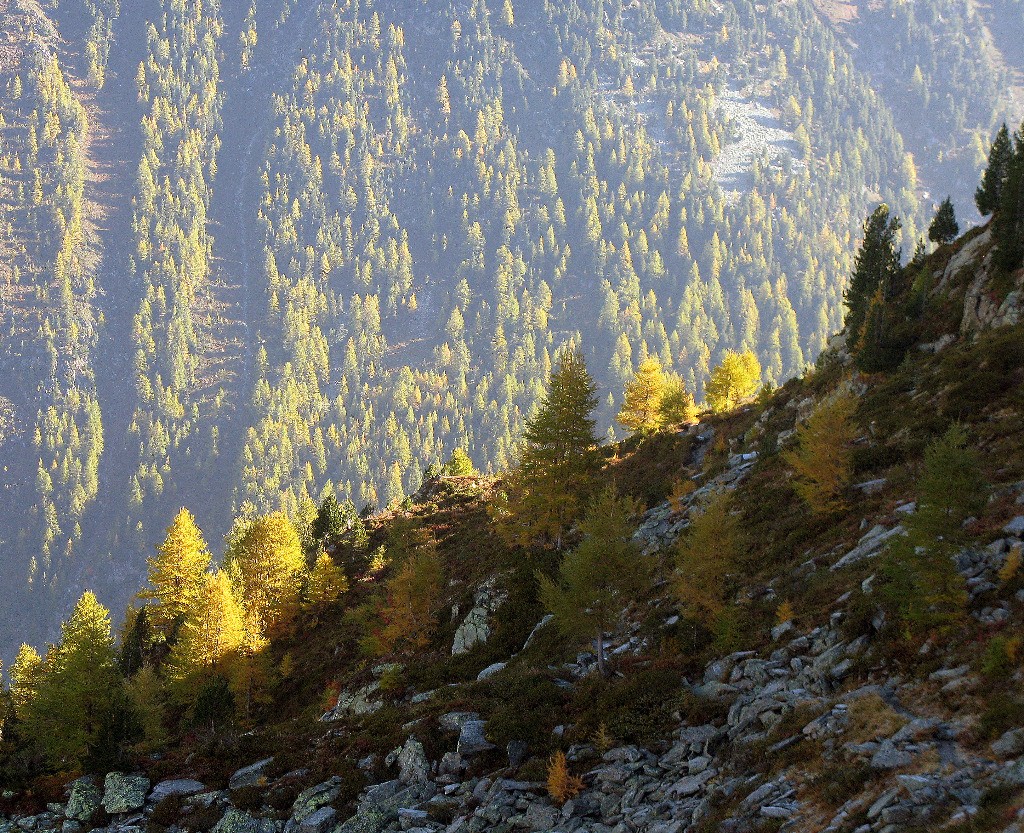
(409, 612)
(176, 572)
(213, 630)
(641, 407)
(706, 557)
(562, 784)
(270, 568)
(734, 380)
(327, 581)
(1011, 566)
(823, 458)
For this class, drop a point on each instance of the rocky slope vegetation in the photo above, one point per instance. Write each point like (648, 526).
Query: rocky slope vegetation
(818, 711)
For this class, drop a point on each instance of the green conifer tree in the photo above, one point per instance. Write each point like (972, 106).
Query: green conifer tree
(988, 197)
(923, 586)
(944, 228)
(1008, 226)
(78, 685)
(542, 495)
(876, 267)
(600, 578)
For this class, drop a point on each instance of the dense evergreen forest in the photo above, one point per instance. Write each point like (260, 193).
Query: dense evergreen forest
(254, 252)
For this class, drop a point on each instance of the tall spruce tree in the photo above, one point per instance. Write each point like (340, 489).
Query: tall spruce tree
(944, 228)
(542, 495)
(988, 197)
(922, 584)
(876, 269)
(331, 522)
(1008, 226)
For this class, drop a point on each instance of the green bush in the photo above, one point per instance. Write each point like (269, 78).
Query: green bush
(523, 705)
(1002, 713)
(637, 709)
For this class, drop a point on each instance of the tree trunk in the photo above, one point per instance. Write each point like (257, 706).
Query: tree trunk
(600, 654)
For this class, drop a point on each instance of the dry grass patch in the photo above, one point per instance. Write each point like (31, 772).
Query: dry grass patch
(871, 717)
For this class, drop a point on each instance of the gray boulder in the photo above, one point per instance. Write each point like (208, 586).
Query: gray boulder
(124, 793)
(472, 739)
(251, 776)
(237, 821)
(1015, 527)
(84, 800)
(453, 721)
(321, 821)
(179, 786)
(315, 798)
(889, 756)
(475, 629)
(540, 816)
(491, 670)
(414, 768)
(1010, 745)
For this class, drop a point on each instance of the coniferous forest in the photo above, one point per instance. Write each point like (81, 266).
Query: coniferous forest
(256, 254)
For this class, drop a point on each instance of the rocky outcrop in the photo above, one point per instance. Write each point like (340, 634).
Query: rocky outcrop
(124, 793)
(475, 629)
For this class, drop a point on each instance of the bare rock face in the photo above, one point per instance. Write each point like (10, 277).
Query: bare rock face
(476, 627)
(983, 308)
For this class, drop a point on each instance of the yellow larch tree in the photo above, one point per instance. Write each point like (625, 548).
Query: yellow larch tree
(823, 458)
(176, 573)
(733, 381)
(641, 408)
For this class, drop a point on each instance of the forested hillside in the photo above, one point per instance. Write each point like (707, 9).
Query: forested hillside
(250, 252)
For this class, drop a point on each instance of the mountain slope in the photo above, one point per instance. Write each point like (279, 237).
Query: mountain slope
(334, 240)
(845, 715)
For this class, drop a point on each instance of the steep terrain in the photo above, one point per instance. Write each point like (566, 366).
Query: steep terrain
(823, 705)
(279, 246)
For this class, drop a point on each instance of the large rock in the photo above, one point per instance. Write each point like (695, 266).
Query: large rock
(870, 545)
(365, 700)
(237, 821)
(124, 793)
(1010, 745)
(491, 670)
(254, 775)
(454, 721)
(315, 798)
(889, 756)
(84, 800)
(414, 768)
(380, 804)
(179, 786)
(540, 816)
(319, 822)
(475, 629)
(472, 739)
